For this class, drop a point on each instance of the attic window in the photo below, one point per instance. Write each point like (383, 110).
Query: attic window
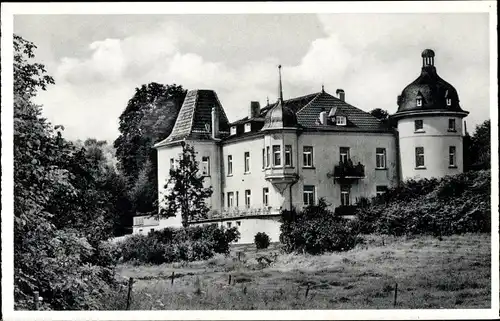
(341, 120)
(419, 102)
(233, 130)
(248, 127)
(448, 101)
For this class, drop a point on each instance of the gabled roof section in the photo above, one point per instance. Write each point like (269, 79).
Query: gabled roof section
(195, 118)
(358, 119)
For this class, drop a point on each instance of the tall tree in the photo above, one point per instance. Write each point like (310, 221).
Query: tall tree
(477, 148)
(185, 193)
(148, 118)
(380, 113)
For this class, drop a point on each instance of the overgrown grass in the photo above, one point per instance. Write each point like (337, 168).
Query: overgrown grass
(451, 273)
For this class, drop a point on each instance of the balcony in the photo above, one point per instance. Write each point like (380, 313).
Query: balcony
(280, 175)
(146, 221)
(348, 172)
(234, 212)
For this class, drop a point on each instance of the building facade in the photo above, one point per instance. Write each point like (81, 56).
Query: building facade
(292, 153)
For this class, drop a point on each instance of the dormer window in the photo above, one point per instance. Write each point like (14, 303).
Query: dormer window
(248, 127)
(448, 101)
(341, 120)
(233, 130)
(419, 102)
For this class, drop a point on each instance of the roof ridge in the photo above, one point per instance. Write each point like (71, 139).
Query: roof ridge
(312, 100)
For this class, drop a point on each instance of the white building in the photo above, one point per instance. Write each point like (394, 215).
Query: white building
(293, 152)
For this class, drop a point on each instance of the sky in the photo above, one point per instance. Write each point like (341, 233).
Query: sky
(97, 61)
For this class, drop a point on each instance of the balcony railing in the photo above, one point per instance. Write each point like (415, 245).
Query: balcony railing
(241, 212)
(146, 221)
(348, 170)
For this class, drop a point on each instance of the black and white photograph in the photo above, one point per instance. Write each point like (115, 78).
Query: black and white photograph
(228, 161)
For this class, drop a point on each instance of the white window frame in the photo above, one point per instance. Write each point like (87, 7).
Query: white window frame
(172, 163)
(380, 158)
(229, 165)
(205, 167)
(288, 155)
(248, 198)
(246, 157)
(308, 156)
(448, 101)
(415, 125)
(263, 158)
(277, 156)
(345, 195)
(341, 120)
(233, 130)
(228, 224)
(454, 126)
(230, 199)
(237, 198)
(419, 102)
(248, 127)
(452, 156)
(345, 154)
(265, 196)
(309, 195)
(268, 156)
(417, 155)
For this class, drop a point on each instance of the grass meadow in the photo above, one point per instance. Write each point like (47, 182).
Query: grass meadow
(452, 272)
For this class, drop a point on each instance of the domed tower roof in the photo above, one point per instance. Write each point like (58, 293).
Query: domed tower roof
(428, 92)
(280, 116)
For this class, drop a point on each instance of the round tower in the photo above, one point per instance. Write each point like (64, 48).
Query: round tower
(429, 123)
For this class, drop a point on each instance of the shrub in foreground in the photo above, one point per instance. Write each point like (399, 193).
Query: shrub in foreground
(178, 244)
(316, 230)
(452, 205)
(262, 240)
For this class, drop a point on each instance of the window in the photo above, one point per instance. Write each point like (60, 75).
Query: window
(247, 198)
(341, 120)
(344, 154)
(230, 199)
(380, 157)
(228, 224)
(268, 156)
(308, 195)
(151, 230)
(238, 223)
(265, 196)
(453, 156)
(140, 230)
(229, 165)
(233, 130)
(237, 198)
(288, 155)
(248, 127)
(172, 163)
(419, 125)
(308, 156)
(345, 195)
(263, 158)
(419, 157)
(205, 167)
(381, 190)
(247, 162)
(419, 102)
(452, 125)
(276, 155)
(448, 101)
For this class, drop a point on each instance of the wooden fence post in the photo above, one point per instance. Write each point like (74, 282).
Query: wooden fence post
(129, 294)
(396, 294)
(36, 302)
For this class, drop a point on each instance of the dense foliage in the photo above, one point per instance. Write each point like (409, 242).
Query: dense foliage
(261, 240)
(175, 245)
(62, 206)
(452, 205)
(147, 119)
(477, 148)
(185, 193)
(316, 230)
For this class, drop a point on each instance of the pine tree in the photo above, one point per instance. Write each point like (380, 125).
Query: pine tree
(185, 191)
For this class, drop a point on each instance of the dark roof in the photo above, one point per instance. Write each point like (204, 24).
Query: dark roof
(358, 120)
(431, 88)
(280, 116)
(195, 117)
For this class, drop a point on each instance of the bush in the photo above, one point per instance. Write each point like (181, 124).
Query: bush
(262, 240)
(182, 244)
(452, 205)
(316, 230)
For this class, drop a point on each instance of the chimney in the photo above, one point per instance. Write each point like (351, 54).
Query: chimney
(341, 94)
(322, 117)
(215, 122)
(254, 109)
